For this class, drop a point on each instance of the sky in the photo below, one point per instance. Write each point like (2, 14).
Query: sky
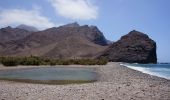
(113, 17)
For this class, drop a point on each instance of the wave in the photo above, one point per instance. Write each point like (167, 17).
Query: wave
(155, 71)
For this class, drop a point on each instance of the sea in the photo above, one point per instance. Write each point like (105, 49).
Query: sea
(160, 70)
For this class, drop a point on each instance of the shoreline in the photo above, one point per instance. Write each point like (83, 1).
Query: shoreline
(116, 82)
(145, 71)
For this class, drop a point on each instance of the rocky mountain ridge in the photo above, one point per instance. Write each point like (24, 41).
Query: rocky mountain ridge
(73, 41)
(58, 42)
(28, 28)
(9, 34)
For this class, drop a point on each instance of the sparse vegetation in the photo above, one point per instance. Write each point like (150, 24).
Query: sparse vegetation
(32, 60)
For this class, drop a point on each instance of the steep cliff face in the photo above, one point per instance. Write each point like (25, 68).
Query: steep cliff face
(96, 36)
(135, 47)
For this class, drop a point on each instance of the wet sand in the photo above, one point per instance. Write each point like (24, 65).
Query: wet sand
(115, 83)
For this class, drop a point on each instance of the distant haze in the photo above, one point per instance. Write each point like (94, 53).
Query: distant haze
(28, 28)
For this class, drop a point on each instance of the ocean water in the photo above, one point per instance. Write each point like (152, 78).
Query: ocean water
(160, 70)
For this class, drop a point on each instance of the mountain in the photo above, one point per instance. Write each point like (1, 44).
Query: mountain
(9, 34)
(28, 28)
(61, 42)
(135, 47)
(75, 24)
(109, 42)
(72, 41)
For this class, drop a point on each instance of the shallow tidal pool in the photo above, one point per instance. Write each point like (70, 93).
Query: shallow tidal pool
(50, 75)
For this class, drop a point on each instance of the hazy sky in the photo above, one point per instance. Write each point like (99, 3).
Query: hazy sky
(113, 17)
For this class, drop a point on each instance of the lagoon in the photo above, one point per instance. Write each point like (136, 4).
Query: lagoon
(50, 75)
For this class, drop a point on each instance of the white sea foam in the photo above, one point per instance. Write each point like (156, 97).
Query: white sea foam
(152, 71)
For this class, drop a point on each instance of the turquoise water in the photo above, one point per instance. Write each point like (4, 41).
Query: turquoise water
(160, 70)
(50, 74)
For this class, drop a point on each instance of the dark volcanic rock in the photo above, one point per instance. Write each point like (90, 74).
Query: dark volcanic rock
(97, 36)
(135, 47)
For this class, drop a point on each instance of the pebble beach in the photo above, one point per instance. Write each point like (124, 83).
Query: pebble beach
(115, 82)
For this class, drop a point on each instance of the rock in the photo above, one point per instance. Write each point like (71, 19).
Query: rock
(96, 36)
(135, 47)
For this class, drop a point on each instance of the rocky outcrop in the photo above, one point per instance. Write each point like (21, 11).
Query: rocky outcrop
(135, 47)
(96, 36)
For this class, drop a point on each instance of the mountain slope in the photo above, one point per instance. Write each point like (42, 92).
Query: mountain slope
(62, 42)
(74, 41)
(28, 28)
(9, 34)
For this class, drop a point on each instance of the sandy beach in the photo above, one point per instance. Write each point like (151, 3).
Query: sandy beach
(115, 83)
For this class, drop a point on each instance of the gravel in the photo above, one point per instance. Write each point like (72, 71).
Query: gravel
(115, 83)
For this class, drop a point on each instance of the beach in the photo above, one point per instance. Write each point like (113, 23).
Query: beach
(116, 82)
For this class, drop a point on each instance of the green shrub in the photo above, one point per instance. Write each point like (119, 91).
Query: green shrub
(52, 62)
(9, 61)
(33, 60)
